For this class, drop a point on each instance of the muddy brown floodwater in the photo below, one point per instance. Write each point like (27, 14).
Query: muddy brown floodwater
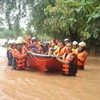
(34, 85)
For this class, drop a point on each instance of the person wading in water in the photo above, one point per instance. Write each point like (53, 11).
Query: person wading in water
(69, 61)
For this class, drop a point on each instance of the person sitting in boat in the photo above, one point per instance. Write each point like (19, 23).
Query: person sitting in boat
(40, 46)
(61, 49)
(82, 55)
(34, 48)
(46, 48)
(52, 49)
(69, 61)
(54, 40)
(75, 46)
(19, 55)
(28, 41)
(9, 51)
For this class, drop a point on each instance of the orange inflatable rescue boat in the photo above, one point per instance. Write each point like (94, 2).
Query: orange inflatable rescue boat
(44, 62)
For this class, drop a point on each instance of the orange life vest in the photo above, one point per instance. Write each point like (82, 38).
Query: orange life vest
(20, 57)
(70, 69)
(60, 51)
(28, 44)
(81, 58)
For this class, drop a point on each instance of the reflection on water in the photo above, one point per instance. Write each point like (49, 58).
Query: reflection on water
(34, 85)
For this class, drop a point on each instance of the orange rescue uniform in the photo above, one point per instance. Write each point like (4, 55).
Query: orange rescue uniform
(71, 68)
(60, 51)
(20, 58)
(81, 59)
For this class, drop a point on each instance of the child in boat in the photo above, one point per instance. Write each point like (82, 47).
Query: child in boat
(52, 49)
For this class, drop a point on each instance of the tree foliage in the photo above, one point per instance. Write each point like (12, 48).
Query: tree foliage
(77, 19)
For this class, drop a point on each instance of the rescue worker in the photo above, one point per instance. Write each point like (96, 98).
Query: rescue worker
(19, 55)
(82, 55)
(69, 61)
(61, 49)
(9, 52)
(75, 46)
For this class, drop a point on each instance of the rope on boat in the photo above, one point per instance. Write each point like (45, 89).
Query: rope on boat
(37, 62)
(43, 60)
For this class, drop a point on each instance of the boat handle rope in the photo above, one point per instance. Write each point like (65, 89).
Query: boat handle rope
(37, 62)
(43, 60)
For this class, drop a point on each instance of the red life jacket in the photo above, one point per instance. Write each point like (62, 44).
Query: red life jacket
(70, 69)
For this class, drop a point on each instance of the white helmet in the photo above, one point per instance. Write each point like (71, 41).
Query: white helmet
(19, 41)
(65, 40)
(33, 38)
(13, 41)
(82, 44)
(10, 42)
(20, 38)
(75, 43)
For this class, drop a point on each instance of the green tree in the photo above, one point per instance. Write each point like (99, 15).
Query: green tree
(38, 14)
(76, 19)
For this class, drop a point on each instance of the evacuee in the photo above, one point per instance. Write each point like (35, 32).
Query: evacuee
(28, 41)
(54, 40)
(52, 49)
(34, 47)
(61, 49)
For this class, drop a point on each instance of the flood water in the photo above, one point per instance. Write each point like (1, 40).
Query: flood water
(34, 85)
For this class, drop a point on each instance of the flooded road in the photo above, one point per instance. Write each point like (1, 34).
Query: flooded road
(34, 85)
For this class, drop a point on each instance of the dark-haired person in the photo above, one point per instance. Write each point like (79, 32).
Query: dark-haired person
(69, 61)
(54, 40)
(82, 55)
(34, 48)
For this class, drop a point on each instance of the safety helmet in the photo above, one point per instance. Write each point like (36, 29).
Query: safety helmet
(82, 44)
(20, 38)
(33, 38)
(65, 40)
(75, 43)
(13, 41)
(10, 42)
(19, 41)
